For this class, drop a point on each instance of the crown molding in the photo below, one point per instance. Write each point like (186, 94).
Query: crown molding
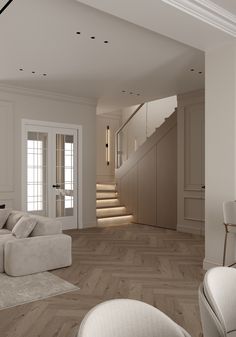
(207, 11)
(47, 94)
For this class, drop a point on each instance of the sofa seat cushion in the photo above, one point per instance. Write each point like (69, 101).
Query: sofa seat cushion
(13, 218)
(4, 231)
(3, 240)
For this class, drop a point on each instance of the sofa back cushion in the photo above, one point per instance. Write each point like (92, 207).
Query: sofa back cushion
(4, 214)
(24, 227)
(46, 226)
(13, 218)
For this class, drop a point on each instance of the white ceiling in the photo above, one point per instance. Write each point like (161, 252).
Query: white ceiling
(41, 36)
(229, 5)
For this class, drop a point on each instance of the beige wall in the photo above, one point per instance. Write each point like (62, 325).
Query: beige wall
(106, 173)
(23, 104)
(220, 148)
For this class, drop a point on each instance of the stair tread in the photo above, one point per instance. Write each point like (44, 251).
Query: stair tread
(113, 216)
(106, 191)
(105, 207)
(106, 198)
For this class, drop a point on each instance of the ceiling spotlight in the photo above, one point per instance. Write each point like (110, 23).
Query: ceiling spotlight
(33, 72)
(21, 69)
(78, 33)
(92, 37)
(44, 74)
(131, 93)
(200, 72)
(192, 69)
(123, 91)
(105, 41)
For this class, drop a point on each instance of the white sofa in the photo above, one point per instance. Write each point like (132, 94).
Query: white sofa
(45, 249)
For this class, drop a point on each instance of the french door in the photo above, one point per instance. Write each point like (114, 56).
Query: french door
(50, 163)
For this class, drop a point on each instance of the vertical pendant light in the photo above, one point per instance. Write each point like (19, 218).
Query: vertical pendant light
(108, 145)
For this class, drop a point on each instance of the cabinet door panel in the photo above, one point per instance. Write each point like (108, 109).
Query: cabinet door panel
(147, 188)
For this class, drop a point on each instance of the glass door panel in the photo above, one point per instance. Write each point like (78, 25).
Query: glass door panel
(64, 175)
(37, 180)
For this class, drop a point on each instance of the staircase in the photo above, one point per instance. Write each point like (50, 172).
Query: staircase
(108, 208)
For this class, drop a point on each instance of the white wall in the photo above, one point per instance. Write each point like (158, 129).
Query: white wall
(25, 104)
(106, 173)
(220, 148)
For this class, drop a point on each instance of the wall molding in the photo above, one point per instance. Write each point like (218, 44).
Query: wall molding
(47, 94)
(208, 12)
(208, 264)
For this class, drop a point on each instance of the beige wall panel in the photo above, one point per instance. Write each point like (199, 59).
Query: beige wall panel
(129, 191)
(147, 188)
(193, 146)
(166, 205)
(191, 162)
(105, 173)
(193, 209)
(6, 147)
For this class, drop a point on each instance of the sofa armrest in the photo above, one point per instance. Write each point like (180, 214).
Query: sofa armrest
(37, 254)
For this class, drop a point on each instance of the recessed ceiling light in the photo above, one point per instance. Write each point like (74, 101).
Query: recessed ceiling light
(33, 72)
(192, 69)
(106, 41)
(200, 72)
(92, 37)
(78, 33)
(123, 91)
(44, 74)
(21, 69)
(131, 93)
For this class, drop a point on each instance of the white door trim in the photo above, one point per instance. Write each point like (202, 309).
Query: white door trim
(29, 122)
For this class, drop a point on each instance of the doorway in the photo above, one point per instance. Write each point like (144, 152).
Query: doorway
(51, 155)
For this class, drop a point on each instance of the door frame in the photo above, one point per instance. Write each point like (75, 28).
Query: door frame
(25, 123)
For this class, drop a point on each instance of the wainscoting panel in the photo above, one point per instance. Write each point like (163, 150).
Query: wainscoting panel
(6, 147)
(191, 163)
(147, 188)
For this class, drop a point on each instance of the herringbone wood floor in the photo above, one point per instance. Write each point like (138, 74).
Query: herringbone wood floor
(157, 266)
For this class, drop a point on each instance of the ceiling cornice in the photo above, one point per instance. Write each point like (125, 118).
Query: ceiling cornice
(47, 94)
(207, 11)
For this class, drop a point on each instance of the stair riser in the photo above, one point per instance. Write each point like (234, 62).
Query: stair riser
(111, 211)
(106, 187)
(108, 203)
(115, 221)
(106, 195)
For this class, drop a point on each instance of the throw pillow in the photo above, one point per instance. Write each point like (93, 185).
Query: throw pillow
(24, 227)
(4, 214)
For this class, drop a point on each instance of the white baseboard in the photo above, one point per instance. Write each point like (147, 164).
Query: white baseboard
(188, 229)
(207, 264)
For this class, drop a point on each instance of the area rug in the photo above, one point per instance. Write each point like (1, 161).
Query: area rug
(20, 290)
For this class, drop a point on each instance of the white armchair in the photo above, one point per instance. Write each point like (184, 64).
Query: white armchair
(217, 301)
(128, 318)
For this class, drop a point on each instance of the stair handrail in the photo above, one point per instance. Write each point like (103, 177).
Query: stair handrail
(120, 129)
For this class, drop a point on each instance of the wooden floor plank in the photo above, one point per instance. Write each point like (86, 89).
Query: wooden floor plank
(157, 266)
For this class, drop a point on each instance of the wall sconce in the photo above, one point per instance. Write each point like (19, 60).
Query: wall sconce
(108, 145)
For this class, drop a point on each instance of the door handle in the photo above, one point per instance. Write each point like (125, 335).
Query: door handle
(56, 186)
(203, 187)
